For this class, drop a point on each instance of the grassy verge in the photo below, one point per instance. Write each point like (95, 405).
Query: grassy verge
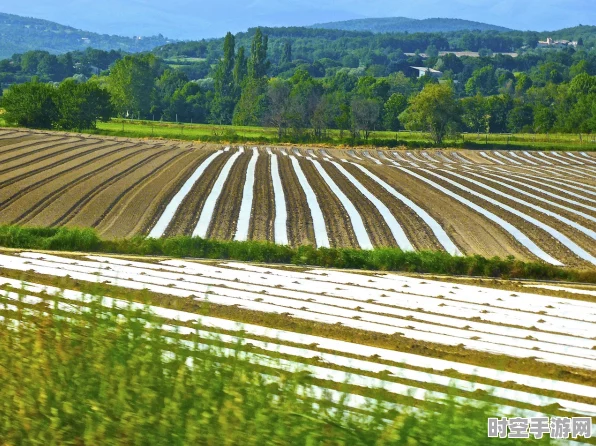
(266, 135)
(98, 378)
(381, 259)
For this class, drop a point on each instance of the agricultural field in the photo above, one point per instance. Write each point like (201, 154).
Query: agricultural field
(531, 205)
(410, 342)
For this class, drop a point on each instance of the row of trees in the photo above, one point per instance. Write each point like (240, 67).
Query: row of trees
(70, 106)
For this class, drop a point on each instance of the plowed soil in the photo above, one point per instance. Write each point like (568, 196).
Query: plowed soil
(378, 231)
(137, 208)
(263, 208)
(472, 232)
(42, 206)
(539, 236)
(225, 215)
(337, 221)
(417, 231)
(300, 225)
(543, 239)
(189, 212)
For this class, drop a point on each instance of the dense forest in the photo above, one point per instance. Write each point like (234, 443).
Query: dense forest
(407, 25)
(304, 82)
(21, 34)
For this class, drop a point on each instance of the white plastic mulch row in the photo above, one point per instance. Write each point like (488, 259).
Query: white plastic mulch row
(164, 221)
(353, 214)
(563, 239)
(436, 228)
(508, 227)
(571, 223)
(281, 336)
(321, 237)
(555, 195)
(490, 158)
(322, 312)
(247, 198)
(209, 207)
(280, 227)
(533, 196)
(370, 158)
(567, 317)
(398, 233)
(336, 359)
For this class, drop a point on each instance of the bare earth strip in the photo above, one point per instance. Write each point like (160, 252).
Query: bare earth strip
(9, 147)
(189, 211)
(469, 230)
(225, 215)
(263, 206)
(89, 207)
(49, 210)
(580, 238)
(300, 225)
(27, 206)
(543, 239)
(137, 209)
(44, 166)
(377, 228)
(11, 190)
(337, 221)
(28, 157)
(532, 199)
(417, 231)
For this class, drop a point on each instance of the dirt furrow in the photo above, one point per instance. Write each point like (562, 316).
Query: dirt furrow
(530, 199)
(31, 204)
(417, 231)
(339, 229)
(136, 209)
(472, 232)
(37, 154)
(555, 247)
(376, 227)
(189, 212)
(25, 172)
(263, 207)
(542, 238)
(8, 146)
(127, 174)
(225, 215)
(49, 210)
(25, 183)
(300, 225)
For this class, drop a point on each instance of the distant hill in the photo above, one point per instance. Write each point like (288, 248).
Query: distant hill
(404, 24)
(21, 34)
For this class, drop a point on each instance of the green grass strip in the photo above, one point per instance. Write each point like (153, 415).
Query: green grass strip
(380, 259)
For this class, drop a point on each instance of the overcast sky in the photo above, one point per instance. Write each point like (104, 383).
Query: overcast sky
(194, 19)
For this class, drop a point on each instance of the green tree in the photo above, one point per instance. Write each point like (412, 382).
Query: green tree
(257, 63)
(521, 118)
(394, 107)
(474, 113)
(286, 53)
(81, 105)
(365, 115)
(435, 110)
(251, 106)
(483, 81)
(240, 69)
(131, 84)
(31, 105)
(224, 101)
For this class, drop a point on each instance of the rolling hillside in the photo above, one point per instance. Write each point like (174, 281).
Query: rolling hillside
(404, 24)
(20, 34)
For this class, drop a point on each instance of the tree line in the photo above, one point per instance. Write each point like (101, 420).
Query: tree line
(551, 91)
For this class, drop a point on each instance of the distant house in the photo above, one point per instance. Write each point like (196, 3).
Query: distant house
(423, 71)
(550, 43)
